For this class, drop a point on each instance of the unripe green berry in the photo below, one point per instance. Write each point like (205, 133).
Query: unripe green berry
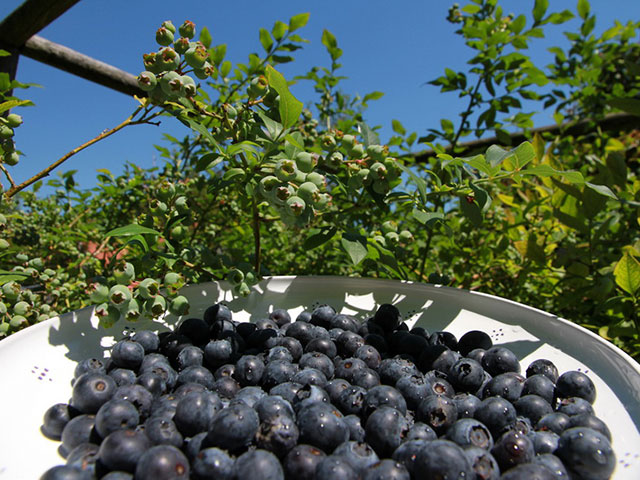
(181, 45)
(258, 87)
(392, 238)
(405, 236)
(296, 205)
(169, 26)
(11, 159)
(357, 151)
(189, 88)
(166, 191)
(207, 70)
(18, 322)
(11, 290)
(328, 142)
(148, 288)
(167, 60)
(173, 282)
(322, 201)
(348, 141)
(3, 308)
(179, 232)
(42, 317)
(22, 257)
(125, 274)
(133, 311)
(286, 170)
(98, 293)
(8, 146)
(316, 178)
(157, 208)
(3, 222)
(36, 263)
(4, 329)
(3, 244)
(164, 36)
(151, 62)
(196, 56)
(6, 132)
(21, 308)
(267, 185)
(376, 152)
(179, 306)
(187, 29)
(389, 226)
(230, 110)
(156, 306)
(282, 194)
(147, 81)
(14, 120)
(235, 276)
(119, 296)
(334, 159)
(242, 289)
(381, 187)
(107, 315)
(50, 272)
(308, 191)
(305, 162)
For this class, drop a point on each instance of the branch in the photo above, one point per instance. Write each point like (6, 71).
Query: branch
(8, 175)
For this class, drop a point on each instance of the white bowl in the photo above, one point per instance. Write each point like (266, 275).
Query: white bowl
(37, 364)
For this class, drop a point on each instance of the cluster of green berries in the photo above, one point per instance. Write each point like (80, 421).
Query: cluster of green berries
(8, 153)
(20, 306)
(165, 76)
(130, 299)
(390, 236)
(294, 188)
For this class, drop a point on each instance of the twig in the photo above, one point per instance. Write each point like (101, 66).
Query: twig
(8, 175)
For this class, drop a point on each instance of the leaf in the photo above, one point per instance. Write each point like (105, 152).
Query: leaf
(7, 276)
(523, 154)
(265, 39)
(583, 8)
(426, 217)
(369, 137)
(545, 170)
(131, 229)
(319, 236)
(278, 30)
(4, 53)
(355, 245)
(290, 107)
(330, 42)
(471, 210)
(9, 104)
(273, 127)
(205, 161)
(398, 127)
(627, 274)
(298, 21)
(539, 9)
(205, 37)
(198, 127)
(372, 96)
(629, 105)
(602, 190)
(518, 24)
(421, 184)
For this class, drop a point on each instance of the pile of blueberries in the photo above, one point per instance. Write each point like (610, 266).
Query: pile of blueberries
(324, 397)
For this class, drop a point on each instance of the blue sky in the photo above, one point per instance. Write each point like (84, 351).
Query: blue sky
(393, 49)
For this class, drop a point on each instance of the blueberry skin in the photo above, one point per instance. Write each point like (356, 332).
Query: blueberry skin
(127, 354)
(387, 316)
(65, 472)
(162, 462)
(80, 429)
(302, 461)
(466, 403)
(271, 406)
(139, 396)
(586, 453)
(308, 395)
(385, 429)
(258, 465)
(356, 430)
(472, 340)
(482, 462)
(466, 375)
(278, 435)
(218, 353)
(438, 385)
(335, 387)
(310, 376)
(543, 367)
(334, 467)
(366, 378)
(506, 385)
(496, 413)
(249, 395)
(513, 448)
(249, 370)
(226, 387)
(499, 360)
(359, 454)
(413, 388)
(319, 361)
(279, 353)
(196, 374)
(351, 400)
(84, 457)
(195, 329)
(280, 316)
(369, 355)
(301, 331)
(115, 475)
(322, 345)
(590, 421)
(553, 463)
(215, 312)
(123, 376)
(407, 453)
(278, 372)
(55, 419)
(91, 391)
(470, 432)
(530, 471)
(442, 459)
(386, 469)
(89, 365)
(189, 356)
(162, 431)
(122, 449)
(575, 406)
(420, 431)
(286, 390)
(540, 385)
(383, 396)
(391, 369)
(115, 415)
(212, 463)
(533, 407)
(555, 422)
(575, 384)
(544, 441)
(437, 411)
(233, 428)
(349, 367)
(322, 426)
(148, 339)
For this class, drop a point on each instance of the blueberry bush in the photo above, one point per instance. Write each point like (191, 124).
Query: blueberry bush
(265, 186)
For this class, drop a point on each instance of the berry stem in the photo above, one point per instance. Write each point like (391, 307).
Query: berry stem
(8, 175)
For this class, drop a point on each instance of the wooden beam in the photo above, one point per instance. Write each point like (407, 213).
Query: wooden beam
(29, 18)
(71, 61)
(612, 122)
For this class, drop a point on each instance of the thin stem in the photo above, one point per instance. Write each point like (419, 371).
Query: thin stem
(8, 175)
(256, 237)
(107, 133)
(465, 115)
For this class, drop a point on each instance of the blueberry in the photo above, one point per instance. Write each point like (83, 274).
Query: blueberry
(349, 367)
(162, 462)
(477, 354)
(127, 354)
(387, 317)
(544, 441)
(189, 356)
(286, 390)
(249, 395)
(472, 340)
(152, 382)
(280, 353)
(258, 465)
(470, 432)
(437, 411)
(195, 412)
(420, 431)
(376, 341)
(249, 370)
(383, 396)
(533, 407)
(575, 384)
(438, 385)
(540, 385)
(322, 316)
(530, 471)
(271, 406)
(280, 316)
(369, 355)
(348, 343)
(122, 449)
(294, 346)
(89, 365)
(123, 376)
(116, 475)
(194, 445)
(359, 454)
(84, 457)
(391, 369)
(351, 400)
(344, 322)
(466, 404)
(278, 434)
(65, 472)
(413, 388)
(356, 430)
(366, 378)
(308, 395)
(556, 422)
(386, 469)
(407, 453)
(162, 431)
(80, 429)
(310, 376)
(404, 342)
(575, 406)
(55, 419)
(319, 361)
(226, 387)
(513, 448)
(445, 361)
(302, 461)
(219, 352)
(115, 415)
(91, 390)
(466, 375)
(496, 413)
(139, 396)
(553, 463)
(443, 459)
(215, 312)
(590, 421)
(196, 374)
(543, 367)
(482, 463)
(499, 360)
(196, 329)
(301, 331)
(385, 429)
(335, 387)
(233, 428)
(586, 453)
(322, 426)
(506, 385)
(148, 339)
(212, 463)
(278, 372)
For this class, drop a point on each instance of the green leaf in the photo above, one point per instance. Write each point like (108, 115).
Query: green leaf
(583, 8)
(8, 105)
(355, 245)
(523, 154)
(369, 137)
(273, 127)
(205, 161)
(471, 210)
(545, 170)
(205, 37)
(265, 39)
(420, 183)
(627, 274)
(426, 217)
(602, 190)
(539, 9)
(131, 229)
(471, 9)
(372, 96)
(398, 127)
(198, 127)
(629, 105)
(518, 24)
(290, 107)
(330, 42)
(319, 236)
(298, 21)
(7, 276)
(4, 53)
(278, 30)
(219, 53)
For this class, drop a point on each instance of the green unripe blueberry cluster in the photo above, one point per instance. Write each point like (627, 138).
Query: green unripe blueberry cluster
(8, 153)
(166, 75)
